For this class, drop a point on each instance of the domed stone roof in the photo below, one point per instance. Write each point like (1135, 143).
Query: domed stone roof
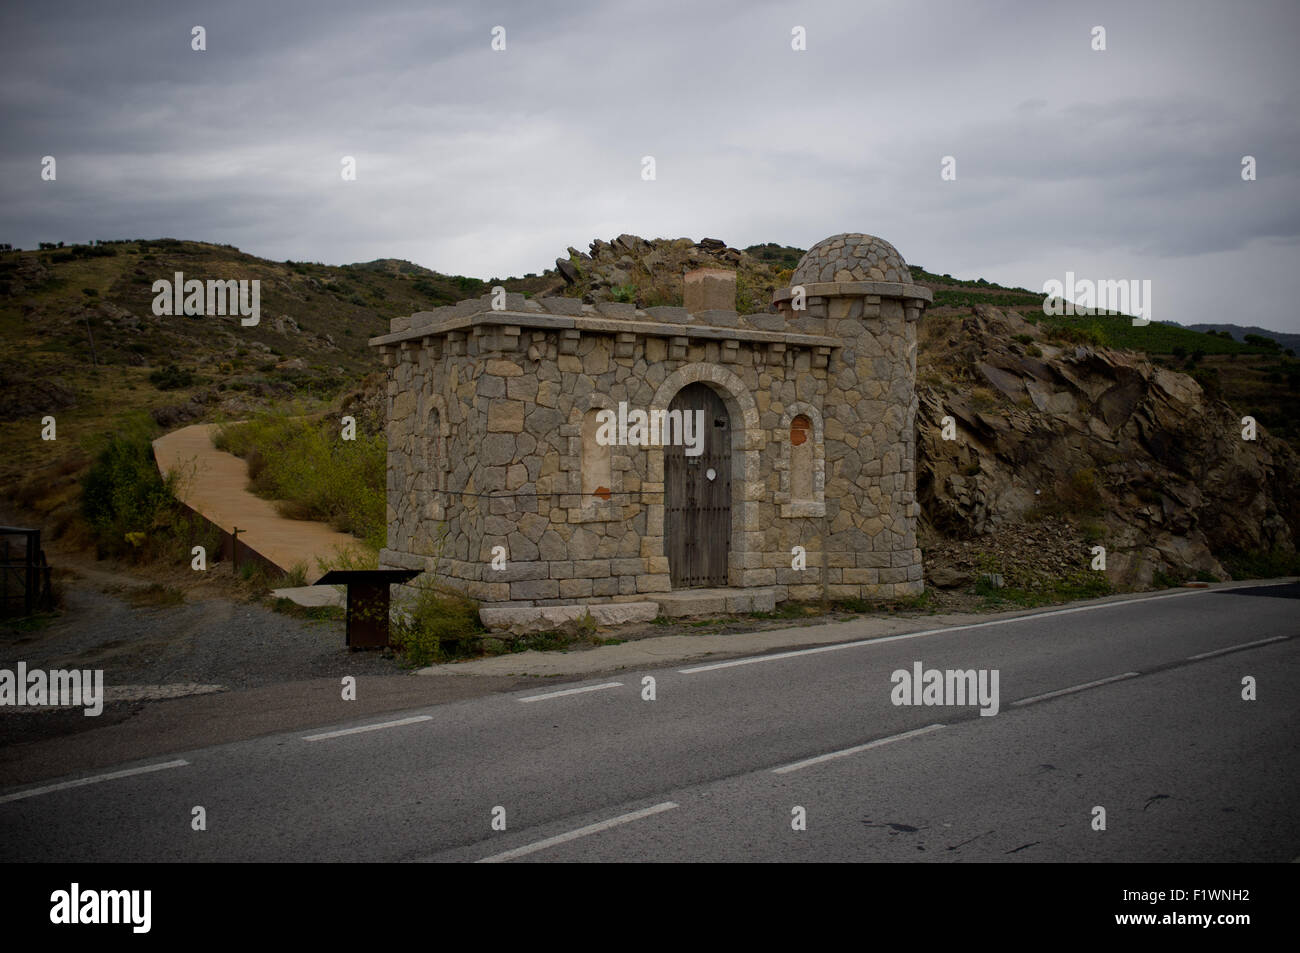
(851, 256)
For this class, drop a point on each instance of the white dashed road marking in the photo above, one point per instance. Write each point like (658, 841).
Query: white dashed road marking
(364, 728)
(1074, 688)
(572, 691)
(63, 786)
(580, 832)
(854, 750)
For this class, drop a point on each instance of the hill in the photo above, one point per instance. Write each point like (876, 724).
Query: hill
(1237, 332)
(79, 341)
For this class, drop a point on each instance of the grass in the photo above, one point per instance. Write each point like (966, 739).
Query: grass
(1082, 585)
(441, 625)
(1261, 564)
(154, 595)
(1079, 495)
(314, 613)
(312, 473)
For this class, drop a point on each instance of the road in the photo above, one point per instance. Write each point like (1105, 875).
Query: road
(1144, 717)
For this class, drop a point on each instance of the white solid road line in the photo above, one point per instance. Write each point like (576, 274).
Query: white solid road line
(1233, 648)
(572, 691)
(580, 832)
(854, 750)
(64, 785)
(1074, 688)
(916, 635)
(363, 728)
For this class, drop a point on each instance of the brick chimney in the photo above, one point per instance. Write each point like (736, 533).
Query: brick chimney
(709, 289)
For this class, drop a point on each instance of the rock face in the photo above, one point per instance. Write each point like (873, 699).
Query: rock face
(492, 446)
(1101, 436)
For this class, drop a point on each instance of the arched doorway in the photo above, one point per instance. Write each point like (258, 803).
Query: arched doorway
(697, 494)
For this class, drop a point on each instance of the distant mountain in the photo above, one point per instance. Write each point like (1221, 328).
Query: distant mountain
(1239, 332)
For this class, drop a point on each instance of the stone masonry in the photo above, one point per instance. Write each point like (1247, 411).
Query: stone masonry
(488, 452)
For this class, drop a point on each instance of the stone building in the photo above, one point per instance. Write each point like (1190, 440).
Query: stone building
(501, 482)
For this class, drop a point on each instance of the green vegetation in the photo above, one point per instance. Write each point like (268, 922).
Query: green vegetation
(1078, 496)
(312, 473)
(124, 498)
(1154, 338)
(967, 299)
(1085, 584)
(314, 613)
(169, 377)
(154, 595)
(441, 625)
(1261, 564)
(782, 256)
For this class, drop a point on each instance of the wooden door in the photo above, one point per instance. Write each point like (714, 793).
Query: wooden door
(697, 496)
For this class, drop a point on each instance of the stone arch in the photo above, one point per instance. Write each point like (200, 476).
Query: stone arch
(744, 558)
(792, 503)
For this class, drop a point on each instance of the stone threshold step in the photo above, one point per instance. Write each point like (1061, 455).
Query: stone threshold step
(687, 602)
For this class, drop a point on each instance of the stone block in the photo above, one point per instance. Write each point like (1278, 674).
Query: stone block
(535, 589)
(575, 588)
(559, 305)
(669, 315)
(506, 416)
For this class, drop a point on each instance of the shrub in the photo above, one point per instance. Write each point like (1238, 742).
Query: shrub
(171, 377)
(123, 493)
(442, 624)
(317, 475)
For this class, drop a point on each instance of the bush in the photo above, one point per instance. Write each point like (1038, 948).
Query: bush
(1261, 564)
(442, 624)
(1093, 334)
(123, 494)
(171, 378)
(304, 463)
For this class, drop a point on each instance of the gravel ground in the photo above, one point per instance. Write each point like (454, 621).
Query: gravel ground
(207, 641)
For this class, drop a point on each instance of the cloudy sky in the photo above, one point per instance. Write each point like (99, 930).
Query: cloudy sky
(1124, 163)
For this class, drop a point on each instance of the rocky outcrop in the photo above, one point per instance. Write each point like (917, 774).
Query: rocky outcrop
(28, 395)
(1158, 471)
(647, 272)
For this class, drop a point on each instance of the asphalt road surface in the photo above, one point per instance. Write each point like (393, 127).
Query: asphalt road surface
(1133, 707)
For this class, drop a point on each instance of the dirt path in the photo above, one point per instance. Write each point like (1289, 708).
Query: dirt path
(216, 485)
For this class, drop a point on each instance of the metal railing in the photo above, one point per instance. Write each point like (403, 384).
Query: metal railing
(24, 573)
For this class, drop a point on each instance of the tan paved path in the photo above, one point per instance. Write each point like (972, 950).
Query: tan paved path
(217, 487)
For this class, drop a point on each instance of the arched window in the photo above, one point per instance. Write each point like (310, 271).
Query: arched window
(803, 463)
(597, 462)
(801, 460)
(436, 465)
